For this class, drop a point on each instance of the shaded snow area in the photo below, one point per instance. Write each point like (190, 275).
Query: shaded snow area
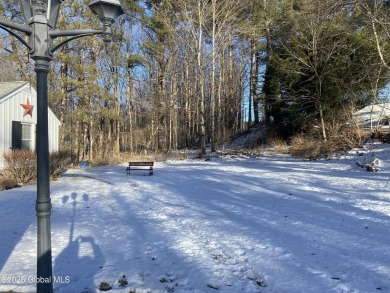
(268, 224)
(248, 139)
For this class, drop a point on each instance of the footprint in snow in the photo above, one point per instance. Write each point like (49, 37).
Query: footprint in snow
(220, 256)
(250, 275)
(169, 279)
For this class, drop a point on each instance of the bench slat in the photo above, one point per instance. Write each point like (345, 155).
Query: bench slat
(141, 163)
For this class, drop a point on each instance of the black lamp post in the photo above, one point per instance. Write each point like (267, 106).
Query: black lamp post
(40, 19)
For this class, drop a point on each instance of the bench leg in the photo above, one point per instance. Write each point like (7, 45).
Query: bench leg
(128, 171)
(150, 171)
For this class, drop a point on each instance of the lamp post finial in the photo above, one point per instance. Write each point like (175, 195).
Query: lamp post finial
(40, 7)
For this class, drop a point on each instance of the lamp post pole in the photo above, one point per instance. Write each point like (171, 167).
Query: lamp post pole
(43, 201)
(41, 18)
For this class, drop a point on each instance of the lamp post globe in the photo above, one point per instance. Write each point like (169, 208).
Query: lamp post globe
(107, 11)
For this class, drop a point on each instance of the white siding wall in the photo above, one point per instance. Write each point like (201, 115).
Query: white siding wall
(11, 110)
(54, 137)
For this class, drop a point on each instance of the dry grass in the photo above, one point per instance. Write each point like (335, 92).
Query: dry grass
(127, 157)
(156, 157)
(118, 159)
(341, 139)
(306, 148)
(278, 145)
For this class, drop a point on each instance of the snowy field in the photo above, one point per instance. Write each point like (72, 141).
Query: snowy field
(232, 224)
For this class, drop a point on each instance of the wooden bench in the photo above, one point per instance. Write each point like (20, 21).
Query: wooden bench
(139, 166)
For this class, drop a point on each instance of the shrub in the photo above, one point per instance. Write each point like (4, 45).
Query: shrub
(21, 165)
(59, 162)
(381, 136)
(8, 184)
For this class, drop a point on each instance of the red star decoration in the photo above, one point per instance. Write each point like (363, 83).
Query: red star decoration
(28, 108)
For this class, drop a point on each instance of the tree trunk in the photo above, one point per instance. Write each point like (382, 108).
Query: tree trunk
(255, 63)
(161, 111)
(63, 73)
(202, 129)
(213, 64)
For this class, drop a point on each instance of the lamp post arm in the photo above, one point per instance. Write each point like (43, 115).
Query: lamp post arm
(22, 28)
(9, 25)
(16, 36)
(75, 34)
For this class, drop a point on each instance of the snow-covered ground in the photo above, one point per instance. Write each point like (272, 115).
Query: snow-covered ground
(231, 224)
